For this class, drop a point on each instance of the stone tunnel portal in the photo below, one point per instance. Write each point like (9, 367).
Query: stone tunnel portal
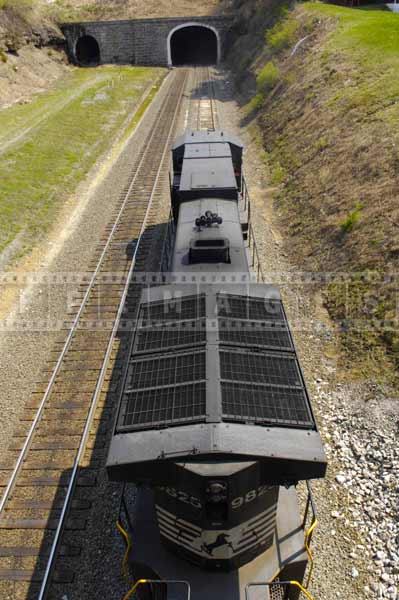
(194, 45)
(87, 51)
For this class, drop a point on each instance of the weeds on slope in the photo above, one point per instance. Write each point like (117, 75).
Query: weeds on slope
(330, 133)
(45, 166)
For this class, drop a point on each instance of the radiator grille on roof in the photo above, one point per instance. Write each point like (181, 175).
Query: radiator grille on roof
(165, 385)
(269, 368)
(190, 307)
(265, 404)
(245, 307)
(274, 336)
(165, 406)
(171, 335)
(168, 370)
(264, 388)
(165, 389)
(243, 368)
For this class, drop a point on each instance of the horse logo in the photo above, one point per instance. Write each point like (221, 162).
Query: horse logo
(221, 540)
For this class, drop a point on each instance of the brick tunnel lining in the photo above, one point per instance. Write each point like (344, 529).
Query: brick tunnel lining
(194, 45)
(87, 51)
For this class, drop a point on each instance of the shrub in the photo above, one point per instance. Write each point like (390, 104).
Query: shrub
(282, 35)
(348, 224)
(18, 6)
(255, 103)
(321, 144)
(267, 77)
(3, 56)
(278, 174)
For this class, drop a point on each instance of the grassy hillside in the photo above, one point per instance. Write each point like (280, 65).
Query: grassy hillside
(111, 9)
(48, 146)
(135, 9)
(326, 99)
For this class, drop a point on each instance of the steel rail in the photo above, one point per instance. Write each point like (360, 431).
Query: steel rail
(73, 329)
(203, 75)
(212, 98)
(100, 381)
(198, 87)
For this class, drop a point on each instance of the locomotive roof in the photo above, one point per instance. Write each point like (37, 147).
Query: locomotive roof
(207, 173)
(206, 137)
(229, 229)
(209, 363)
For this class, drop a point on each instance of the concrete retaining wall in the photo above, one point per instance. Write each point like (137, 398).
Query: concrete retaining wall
(139, 42)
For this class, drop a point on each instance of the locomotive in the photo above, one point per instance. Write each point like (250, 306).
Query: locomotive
(214, 425)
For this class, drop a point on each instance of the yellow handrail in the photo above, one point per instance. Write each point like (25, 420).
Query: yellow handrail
(134, 588)
(298, 585)
(128, 548)
(282, 583)
(309, 553)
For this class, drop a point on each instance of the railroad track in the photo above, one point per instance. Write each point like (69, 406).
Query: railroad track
(205, 116)
(49, 478)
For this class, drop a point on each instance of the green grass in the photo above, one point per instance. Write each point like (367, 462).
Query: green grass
(22, 116)
(372, 36)
(254, 104)
(348, 224)
(40, 171)
(370, 39)
(19, 6)
(267, 77)
(266, 80)
(282, 35)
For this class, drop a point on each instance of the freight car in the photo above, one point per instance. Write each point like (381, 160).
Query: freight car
(215, 425)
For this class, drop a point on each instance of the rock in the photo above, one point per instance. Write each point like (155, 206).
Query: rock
(393, 591)
(340, 479)
(354, 573)
(374, 586)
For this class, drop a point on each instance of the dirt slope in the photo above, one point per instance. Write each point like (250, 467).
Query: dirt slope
(137, 9)
(30, 59)
(326, 102)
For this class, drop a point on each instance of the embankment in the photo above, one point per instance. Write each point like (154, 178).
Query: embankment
(322, 84)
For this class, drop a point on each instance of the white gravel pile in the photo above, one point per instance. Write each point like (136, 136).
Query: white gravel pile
(366, 450)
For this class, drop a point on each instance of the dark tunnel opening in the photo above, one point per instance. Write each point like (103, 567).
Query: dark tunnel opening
(88, 51)
(194, 46)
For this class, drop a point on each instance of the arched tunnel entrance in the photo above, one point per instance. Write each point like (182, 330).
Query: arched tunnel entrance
(87, 51)
(193, 45)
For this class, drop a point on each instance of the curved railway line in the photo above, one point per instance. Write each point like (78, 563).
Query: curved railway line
(48, 476)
